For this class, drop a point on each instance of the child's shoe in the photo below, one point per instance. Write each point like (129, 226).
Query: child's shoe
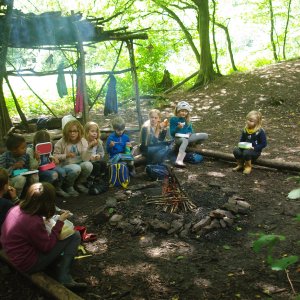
(240, 165)
(70, 190)
(81, 188)
(60, 192)
(248, 167)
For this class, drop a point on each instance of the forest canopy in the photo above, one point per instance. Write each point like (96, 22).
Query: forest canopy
(208, 37)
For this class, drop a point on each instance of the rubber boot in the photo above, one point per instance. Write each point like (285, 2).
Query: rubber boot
(240, 165)
(64, 276)
(179, 160)
(248, 167)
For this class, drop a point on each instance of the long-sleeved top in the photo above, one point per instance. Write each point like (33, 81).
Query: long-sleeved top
(7, 160)
(258, 139)
(5, 206)
(22, 244)
(148, 138)
(187, 128)
(120, 144)
(98, 150)
(62, 148)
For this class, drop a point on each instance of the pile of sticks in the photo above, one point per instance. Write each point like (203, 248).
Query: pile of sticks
(173, 197)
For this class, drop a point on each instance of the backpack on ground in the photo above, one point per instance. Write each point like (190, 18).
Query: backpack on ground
(98, 187)
(193, 158)
(157, 171)
(119, 175)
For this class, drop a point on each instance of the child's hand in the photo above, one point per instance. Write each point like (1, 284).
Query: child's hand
(181, 124)
(36, 155)
(128, 144)
(93, 143)
(71, 155)
(65, 214)
(18, 165)
(55, 160)
(111, 144)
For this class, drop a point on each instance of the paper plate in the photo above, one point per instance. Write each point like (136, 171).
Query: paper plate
(244, 145)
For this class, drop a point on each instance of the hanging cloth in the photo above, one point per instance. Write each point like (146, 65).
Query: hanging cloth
(61, 81)
(111, 99)
(79, 95)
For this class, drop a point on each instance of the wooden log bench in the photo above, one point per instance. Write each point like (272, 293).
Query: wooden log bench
(270, 163)
(261, 161)
(45, 283)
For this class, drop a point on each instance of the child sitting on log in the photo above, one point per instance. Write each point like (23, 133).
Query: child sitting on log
(15, 160)
(5, 189)
(181, 129)
(73, 155)
(152, 136)
(252, 141)
(27, 243)
(119, 142)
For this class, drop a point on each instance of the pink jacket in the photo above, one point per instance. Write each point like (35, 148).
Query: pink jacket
(24, 236)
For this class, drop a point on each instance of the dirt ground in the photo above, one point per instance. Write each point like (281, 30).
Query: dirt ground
(137, 261)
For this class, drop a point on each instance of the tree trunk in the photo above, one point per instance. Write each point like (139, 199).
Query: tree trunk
(5, 122)
(286, 28)
(135, 82)
(206, 72)
(214, 36)
(272, 30)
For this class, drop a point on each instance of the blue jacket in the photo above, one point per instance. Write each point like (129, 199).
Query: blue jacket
(120, 145)
(258, 139)
(187, 128)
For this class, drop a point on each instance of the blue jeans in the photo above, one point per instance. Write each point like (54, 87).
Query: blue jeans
(77, 172)
(57, 175)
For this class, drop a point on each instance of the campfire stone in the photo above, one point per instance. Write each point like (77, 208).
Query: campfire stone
(159, 225)
(115, 219)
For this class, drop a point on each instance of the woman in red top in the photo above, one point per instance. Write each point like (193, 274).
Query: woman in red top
(26, 241)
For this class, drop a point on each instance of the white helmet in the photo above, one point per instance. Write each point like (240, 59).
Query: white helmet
(183, 105)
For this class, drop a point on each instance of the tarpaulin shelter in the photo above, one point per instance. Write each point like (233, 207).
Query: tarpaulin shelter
(52, 30)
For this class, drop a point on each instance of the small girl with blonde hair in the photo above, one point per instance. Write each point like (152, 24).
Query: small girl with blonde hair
(152, 135)
(254, 134)
(73, 154)
(92, 135)
(182, 130)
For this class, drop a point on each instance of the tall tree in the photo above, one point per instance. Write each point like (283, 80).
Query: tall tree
(5, 122)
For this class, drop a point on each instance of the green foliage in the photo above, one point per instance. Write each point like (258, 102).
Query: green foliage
(269, 241)
(260, 62)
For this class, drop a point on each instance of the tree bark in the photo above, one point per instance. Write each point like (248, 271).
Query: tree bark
(5, 121)
(272, 30)
(135, 81)
(206, 72)
(286, 28)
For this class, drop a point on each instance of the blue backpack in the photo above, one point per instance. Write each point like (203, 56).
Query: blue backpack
(193, 158)
(119, 175)
(157, 171)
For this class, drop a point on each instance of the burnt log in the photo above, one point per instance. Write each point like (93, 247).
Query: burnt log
(271, 163)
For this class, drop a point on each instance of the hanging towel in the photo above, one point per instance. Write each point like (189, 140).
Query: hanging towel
(61, 82)
(111, 99)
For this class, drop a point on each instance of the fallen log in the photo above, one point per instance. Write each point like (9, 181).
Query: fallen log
(271, 163)
(45, 283)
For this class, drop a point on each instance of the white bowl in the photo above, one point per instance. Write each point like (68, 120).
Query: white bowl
(244, 145)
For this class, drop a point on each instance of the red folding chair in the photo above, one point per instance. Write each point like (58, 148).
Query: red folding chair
(44, 149)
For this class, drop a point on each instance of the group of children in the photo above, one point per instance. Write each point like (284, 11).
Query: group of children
(78, 155)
